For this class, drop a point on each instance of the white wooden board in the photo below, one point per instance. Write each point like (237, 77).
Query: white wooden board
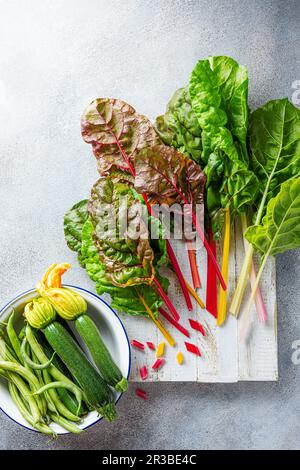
(225, 358)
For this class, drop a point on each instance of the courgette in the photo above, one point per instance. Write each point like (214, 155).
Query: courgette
(100, 354)
(97, 392)
(66, 397)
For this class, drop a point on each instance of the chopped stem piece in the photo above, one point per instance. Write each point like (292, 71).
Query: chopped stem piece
(179, 358)
(137, 344)
(192, 348)
(160, 349)
(144, 372)
(158, 363)
(197, 326)
(141, 393)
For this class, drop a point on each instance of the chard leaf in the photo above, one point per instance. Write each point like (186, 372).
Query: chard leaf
(74, 220)
(274, 135)
(166, 176)
(123, 299)
(218, 90)
(179, 126)
(208, 122)
(126, 254)
(280, 227)
(116, 133)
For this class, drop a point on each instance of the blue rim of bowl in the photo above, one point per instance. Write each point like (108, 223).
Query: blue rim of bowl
(125, 332)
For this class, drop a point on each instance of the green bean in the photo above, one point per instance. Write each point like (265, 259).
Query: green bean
(39, 375)
(6, 353)
(72, 388)
(29, 362)
(22, 334)
(13, 337)
(60, 407)
(26, 374)
(25, 392)
(48, 397)
(64, 423)
(18, 401)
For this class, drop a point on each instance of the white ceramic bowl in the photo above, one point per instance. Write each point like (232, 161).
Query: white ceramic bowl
(112, 331)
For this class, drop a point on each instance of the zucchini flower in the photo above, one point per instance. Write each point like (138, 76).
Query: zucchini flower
(39, 313)
(67, 303)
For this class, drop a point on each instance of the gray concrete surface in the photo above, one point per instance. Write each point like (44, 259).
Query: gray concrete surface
(55, 57)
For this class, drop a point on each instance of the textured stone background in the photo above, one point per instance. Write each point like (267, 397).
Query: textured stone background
(55, 57)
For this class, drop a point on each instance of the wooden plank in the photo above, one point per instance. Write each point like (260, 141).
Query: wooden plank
(225, 358)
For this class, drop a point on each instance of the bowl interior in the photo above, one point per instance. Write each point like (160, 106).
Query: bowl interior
(112, 332)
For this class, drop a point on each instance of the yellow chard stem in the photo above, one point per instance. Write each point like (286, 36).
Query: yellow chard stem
(194, 294)
(222, 310)
(166, 334)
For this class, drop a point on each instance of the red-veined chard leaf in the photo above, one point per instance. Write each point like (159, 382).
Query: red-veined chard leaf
(123, 299)
(116, 132)
(167, 176)
(125, 251)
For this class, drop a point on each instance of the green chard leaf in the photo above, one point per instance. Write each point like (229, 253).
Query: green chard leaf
(179, 126)
(274, 141)
(123, 299)
(126, 252)
(116, 132)
(274, 137)
(208, 121)
(119, 254)
(279, 230)
(73, 223)
(219, 92)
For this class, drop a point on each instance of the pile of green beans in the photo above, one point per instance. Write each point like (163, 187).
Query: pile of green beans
(39, 389)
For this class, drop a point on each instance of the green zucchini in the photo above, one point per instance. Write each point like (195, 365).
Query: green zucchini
(100, 354)
(97, 392)
(57, 362)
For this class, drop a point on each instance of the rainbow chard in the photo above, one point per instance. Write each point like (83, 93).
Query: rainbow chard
(208, 121)
(274, 141)
(167, 176)
(278, 231)
(128, 257)
(117, 133)
(123, 299)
